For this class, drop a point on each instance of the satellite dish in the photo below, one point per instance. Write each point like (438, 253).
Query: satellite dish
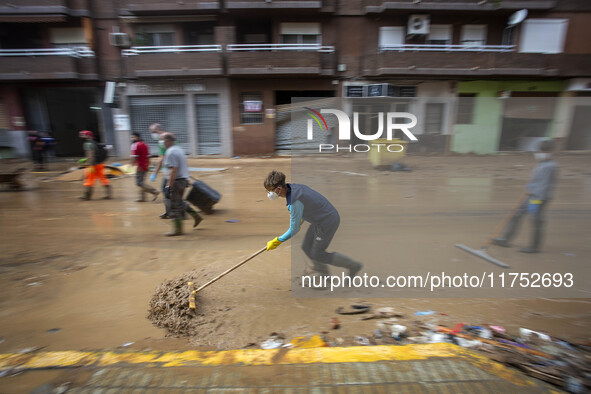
(517, 17)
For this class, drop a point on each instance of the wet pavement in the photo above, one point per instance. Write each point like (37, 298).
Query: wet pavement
(78, 275)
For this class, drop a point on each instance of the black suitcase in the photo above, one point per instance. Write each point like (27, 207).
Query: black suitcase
(203, 196)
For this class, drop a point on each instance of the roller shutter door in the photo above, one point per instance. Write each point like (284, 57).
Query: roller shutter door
(169, 111)
(208, 124)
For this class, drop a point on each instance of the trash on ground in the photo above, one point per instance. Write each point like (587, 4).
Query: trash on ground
(272, 343)
(395, 167)
(383, 313)
(424, 313)
(126, 344)
(335, 324)
(308, 342)
(361, 340)
(529, 335)
(53, 330)
(353, 309)
(232, 221)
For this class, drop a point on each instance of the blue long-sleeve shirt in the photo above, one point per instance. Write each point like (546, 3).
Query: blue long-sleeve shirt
(296, 211)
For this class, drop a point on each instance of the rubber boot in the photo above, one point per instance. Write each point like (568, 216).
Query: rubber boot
(108, 194)
(177, 228)
(535, 242)
(87, 194)
(142, 197)
(340, 260)
(196, 217)
(151, 190)
(320, 268)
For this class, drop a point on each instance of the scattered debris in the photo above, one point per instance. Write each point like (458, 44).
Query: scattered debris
(126, 344)
(53, 330)
(232, 221)
(395, 167)
(353, 309)
(361, 341)
(335, 324)
(424, 313)
(274, 341)
(383, 313)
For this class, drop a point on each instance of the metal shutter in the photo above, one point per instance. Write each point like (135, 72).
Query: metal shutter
(169, 111)
(292, 125)
(208, 124)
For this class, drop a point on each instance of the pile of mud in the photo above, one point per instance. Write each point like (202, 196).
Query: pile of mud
(169, 306)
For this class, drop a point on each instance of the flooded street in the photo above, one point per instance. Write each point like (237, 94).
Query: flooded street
(79, 275)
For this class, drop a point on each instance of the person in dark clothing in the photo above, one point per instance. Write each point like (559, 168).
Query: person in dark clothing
(540, 191)
(37, 150)
(306, 204)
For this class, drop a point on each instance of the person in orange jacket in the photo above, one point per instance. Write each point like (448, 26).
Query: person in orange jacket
(95, 169)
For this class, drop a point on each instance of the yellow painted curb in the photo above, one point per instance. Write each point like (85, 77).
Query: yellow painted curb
(258, 357)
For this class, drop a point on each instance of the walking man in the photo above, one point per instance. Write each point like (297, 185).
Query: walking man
(139, 157)
(178, 180)
(306, 204)
(95, 169)
(540, 191)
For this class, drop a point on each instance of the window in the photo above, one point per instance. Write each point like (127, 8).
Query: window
(439, 35)
(473, 35)
(465, 108)
(433, 118)
(300, 33)
(156, 35)
(391, 35)
(251, 108)
(67, 37)
(543, 35)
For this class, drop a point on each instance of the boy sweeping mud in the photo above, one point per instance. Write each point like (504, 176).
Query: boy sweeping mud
(306, 204)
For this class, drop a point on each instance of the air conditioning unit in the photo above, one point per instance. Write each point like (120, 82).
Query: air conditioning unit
(119, 39)
(418, 24)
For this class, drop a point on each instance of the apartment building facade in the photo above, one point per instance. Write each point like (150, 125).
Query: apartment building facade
(222, 74)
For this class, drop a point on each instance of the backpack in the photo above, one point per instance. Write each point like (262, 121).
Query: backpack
(101, 153)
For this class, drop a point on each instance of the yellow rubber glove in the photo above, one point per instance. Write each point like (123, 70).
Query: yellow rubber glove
(275, 242)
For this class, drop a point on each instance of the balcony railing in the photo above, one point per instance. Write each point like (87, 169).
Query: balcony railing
(279, 47)
(47, 64)
(446, 48)
(171, 49)
(78, 52)
(174, 61)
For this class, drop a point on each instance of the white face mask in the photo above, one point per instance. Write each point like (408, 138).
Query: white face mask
(155, 136)
(539, 156)
(272, 196)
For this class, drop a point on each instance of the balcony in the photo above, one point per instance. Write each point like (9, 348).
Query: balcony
(462, 60)
(47, 64)
(280, 59)
(377, 6)
(42, 10)
(164, 7)
(324, 5)
(173, 61)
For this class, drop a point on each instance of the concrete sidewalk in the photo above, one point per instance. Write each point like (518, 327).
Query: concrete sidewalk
(376, 369)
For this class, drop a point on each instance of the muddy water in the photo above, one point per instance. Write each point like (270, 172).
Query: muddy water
(79, 275)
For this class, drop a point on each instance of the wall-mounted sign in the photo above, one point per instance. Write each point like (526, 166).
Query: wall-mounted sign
(253, 106)
(121, 122)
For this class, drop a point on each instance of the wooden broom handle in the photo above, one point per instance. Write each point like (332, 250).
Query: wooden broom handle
(231, 269)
